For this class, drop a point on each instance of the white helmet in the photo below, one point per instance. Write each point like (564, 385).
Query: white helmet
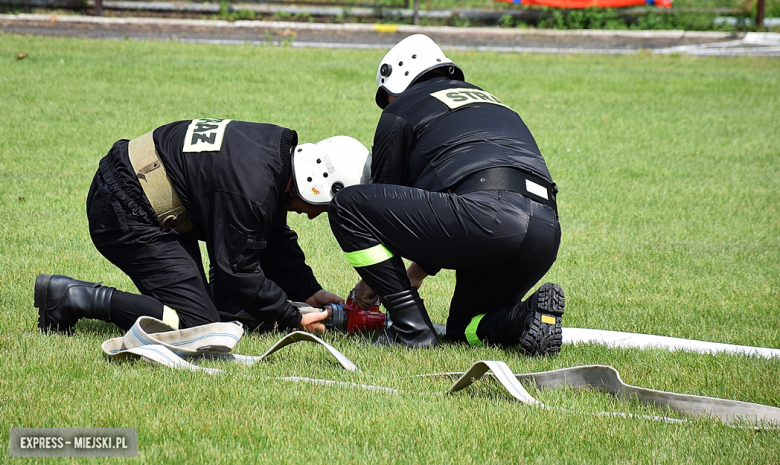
(322, 169)
(407, 61)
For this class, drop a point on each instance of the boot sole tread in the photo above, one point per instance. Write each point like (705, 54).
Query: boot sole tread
(544, 338)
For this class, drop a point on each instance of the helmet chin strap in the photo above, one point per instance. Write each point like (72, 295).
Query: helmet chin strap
(292, 193)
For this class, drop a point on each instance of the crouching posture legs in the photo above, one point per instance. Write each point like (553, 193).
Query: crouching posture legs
(500, 244)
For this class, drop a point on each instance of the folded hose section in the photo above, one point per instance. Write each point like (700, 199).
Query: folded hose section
(153, 341)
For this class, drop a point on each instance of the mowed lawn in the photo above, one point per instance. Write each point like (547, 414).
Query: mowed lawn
(669, 176)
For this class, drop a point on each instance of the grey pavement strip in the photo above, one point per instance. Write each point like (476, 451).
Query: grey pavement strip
(382, 36)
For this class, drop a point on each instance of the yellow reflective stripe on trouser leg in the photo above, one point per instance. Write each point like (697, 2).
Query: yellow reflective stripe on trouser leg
(471, 331)
(170, 317)
(368, 257)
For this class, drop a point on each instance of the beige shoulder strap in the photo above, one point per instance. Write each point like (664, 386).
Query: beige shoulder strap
(156, 185)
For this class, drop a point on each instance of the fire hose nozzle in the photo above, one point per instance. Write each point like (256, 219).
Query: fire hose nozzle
(351, 318)
(338, 319)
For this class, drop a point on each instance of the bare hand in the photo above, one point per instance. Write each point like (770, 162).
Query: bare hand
(314, 322)
(322, 298)
(416, 275)
(364, 296)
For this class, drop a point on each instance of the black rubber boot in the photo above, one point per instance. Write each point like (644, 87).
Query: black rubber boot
(540, 320)
(408, 323)
(61, 301)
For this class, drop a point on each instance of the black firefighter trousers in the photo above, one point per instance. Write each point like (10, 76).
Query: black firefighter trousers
(163, 264)
(500, 244)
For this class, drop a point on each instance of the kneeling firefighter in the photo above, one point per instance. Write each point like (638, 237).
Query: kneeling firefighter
(458, 182)
(227, 183)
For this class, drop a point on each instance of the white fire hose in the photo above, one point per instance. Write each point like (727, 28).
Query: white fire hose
(153, 341)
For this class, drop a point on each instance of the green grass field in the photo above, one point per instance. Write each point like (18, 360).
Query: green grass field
(669, 170)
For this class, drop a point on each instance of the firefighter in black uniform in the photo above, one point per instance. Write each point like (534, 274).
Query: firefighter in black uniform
(458, 182)
(227, 183)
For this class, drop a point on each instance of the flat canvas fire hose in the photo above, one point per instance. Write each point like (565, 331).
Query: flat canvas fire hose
(153, 341)
(650, 341)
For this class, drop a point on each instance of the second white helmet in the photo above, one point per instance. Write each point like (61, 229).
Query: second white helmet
(408, 60)
(321, 170)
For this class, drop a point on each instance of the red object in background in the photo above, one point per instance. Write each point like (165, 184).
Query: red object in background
(580, 4)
